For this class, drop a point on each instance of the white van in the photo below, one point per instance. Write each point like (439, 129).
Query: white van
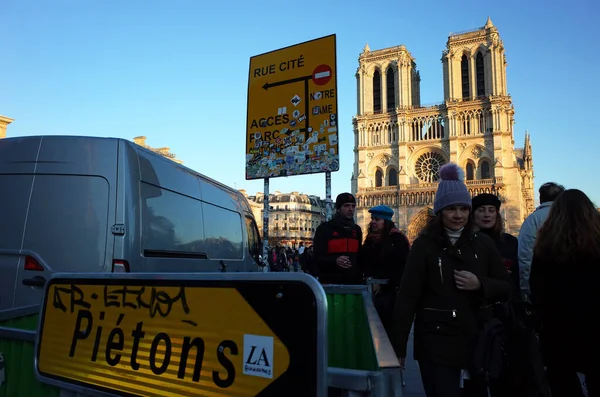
(84, 204)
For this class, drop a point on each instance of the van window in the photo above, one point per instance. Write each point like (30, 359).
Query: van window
(171, 222)
(223, 232)
(253, 237)
(67, 221)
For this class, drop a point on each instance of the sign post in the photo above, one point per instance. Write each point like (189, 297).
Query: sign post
(194, 334)
(328, 209)
(266, 207)
(292, 123)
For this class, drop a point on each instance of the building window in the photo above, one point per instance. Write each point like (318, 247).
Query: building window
(378, 178)
(464, 73)
(428, 166)
(480, 74)
(393, 177)
(467, 125)
(391, 89)
(470, 172)
(376, 92)
(485, 170)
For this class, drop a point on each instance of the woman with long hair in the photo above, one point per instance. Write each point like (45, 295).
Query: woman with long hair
(487, 219)
(452, 272)
(383, 256)
(565, 272)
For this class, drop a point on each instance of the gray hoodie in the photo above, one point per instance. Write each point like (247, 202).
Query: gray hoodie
(527, 237)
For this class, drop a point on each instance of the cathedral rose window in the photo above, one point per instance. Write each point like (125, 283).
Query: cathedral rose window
(428, 166)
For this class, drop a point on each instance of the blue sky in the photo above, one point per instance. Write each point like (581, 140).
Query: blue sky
(176, 71)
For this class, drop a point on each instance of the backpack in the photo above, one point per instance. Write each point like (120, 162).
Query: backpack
(490, 358)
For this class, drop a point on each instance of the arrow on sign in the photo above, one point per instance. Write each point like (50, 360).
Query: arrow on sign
(283, 82)
(188, 337)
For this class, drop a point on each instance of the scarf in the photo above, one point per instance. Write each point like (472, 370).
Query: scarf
(453, 235)
(345, 222)
(375, 237)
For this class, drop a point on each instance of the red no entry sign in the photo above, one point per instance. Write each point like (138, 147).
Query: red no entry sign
(321, 75)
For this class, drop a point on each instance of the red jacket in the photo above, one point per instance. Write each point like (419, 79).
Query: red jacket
(332, 240)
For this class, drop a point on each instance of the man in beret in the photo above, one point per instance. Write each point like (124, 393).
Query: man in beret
(336, 244)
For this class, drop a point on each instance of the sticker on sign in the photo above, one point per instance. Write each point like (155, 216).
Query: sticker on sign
(258, 356)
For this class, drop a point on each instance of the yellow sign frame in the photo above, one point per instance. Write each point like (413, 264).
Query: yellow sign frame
(292, 118)
(162, 335)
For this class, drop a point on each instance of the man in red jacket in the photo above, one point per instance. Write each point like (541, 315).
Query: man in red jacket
(336, 244)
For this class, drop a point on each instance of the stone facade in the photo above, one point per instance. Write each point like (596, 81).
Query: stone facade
(293, 217)
(4, 122)
(400, 144)
(163, 151)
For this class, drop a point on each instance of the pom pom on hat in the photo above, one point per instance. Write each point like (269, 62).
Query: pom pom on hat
(452, 172)
(451, 189)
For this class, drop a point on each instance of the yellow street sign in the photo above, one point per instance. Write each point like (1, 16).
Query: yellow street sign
(292, 123)
(157, 338)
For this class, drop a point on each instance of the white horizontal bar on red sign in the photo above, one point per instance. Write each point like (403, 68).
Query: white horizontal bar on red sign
(322, 74)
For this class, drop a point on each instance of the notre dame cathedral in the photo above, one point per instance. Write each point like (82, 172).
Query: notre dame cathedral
(400, 145)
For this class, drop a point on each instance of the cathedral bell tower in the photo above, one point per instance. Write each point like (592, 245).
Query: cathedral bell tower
(474, 64)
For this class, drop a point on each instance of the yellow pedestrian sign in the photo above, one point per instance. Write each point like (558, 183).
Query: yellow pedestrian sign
(170, 336)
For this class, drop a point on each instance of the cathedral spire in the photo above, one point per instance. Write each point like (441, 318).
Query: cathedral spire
(367, 48)
(489, 23)
(527, 146)
(527, 155)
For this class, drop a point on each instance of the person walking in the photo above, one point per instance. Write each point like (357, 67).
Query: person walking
(336, 245)
(564, 279)
(383, 256)
(451, 274)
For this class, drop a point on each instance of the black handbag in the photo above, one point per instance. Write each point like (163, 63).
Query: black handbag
(508, 351)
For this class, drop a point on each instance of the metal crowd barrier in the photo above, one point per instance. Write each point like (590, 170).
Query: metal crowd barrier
(371, 367)
(362, 362)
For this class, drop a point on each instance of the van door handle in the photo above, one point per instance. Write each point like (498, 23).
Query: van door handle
(37, 281)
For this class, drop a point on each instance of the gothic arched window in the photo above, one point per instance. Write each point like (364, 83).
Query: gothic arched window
(376, 92)
(392, 177)
(391, 89)
(485, 170)
(470, 172)
(378, 178)
(480, 74)
(464, 74)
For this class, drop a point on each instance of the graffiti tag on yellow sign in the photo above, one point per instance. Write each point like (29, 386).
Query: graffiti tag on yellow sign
(292, 124)
(157, 339)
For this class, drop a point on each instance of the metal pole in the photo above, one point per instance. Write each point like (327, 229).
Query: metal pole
(328, 202)
(266, 222)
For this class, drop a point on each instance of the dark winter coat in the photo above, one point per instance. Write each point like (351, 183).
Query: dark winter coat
(333, 239)
(447, 319)
(565, 294)
(386, 259)
(508, 246)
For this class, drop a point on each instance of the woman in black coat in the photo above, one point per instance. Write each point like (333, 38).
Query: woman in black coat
(487, 218)
(564, 290)
(383, 256)
(451, 272)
